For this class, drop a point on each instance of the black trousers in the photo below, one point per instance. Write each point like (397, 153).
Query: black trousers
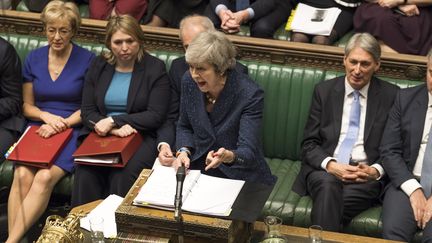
(398, 217)
(7, 138)
(97, 182)
(335, 203)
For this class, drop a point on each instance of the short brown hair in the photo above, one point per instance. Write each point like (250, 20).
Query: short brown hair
(129, 25)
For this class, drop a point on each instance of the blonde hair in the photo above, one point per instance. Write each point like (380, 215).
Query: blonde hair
(56, 10)
(214, 48)
(128, 25)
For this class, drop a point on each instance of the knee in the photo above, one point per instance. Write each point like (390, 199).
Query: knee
(23, 176)
(323, 183)
(392, 230)
(261, 30)
(44, 179)
(321, 40)
(299, 37)
(384, 20)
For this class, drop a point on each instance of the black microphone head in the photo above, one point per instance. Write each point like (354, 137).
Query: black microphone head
(181, 173)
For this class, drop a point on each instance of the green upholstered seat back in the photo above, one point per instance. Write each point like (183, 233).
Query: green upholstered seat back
(287, 98)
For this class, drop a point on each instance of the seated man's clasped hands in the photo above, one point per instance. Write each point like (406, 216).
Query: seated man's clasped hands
(264, 16)
(230, 22)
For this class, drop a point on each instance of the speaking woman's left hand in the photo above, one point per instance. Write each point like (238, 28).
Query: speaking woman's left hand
(214, 159)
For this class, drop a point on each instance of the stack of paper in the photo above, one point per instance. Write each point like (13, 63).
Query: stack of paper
(201, 193)
(314, 21)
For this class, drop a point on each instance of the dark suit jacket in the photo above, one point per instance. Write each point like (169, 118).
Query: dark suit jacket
(178, 68)
(234, 123)
(260, 7)
(403, 133)
(10, 88)
(323, 126)
(148, 97)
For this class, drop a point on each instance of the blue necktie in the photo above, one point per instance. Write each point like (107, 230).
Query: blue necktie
(242, 4)
(426, 173)
(347, 145)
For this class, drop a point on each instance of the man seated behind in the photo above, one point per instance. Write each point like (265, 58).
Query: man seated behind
(406, 152)
(190, 27)
(341, 169)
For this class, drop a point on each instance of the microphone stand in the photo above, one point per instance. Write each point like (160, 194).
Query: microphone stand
(181, 174)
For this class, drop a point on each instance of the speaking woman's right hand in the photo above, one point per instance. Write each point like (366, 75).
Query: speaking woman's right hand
(182, 159)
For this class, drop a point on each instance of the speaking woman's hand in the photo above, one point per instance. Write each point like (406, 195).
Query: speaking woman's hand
(182, 159)
(214, 159)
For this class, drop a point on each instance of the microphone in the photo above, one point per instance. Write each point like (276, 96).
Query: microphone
(181, 174)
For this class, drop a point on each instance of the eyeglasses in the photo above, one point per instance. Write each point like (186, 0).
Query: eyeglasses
(62, 32)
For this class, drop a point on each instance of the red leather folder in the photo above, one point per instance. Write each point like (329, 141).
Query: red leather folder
(95, 147)
(34, 150)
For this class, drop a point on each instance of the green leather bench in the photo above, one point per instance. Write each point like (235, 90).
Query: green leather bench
(288, 92)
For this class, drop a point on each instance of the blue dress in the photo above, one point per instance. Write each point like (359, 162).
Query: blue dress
(61, 97)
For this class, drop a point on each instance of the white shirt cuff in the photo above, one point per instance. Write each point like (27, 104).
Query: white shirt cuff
(326, 161)
(160, 144)
(410, 186)
(380, 170)
(251, 13)
(220, 7)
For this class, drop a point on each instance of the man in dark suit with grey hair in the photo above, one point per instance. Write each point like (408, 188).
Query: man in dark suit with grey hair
(341, 169)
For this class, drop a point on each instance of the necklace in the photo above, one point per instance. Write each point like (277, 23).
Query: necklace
(210, 100)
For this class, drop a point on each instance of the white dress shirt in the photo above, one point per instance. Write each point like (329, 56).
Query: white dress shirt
(411, 185)
(358, 153)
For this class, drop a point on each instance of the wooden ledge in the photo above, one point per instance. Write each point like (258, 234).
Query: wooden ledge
(399, 66)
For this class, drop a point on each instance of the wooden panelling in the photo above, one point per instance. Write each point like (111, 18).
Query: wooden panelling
(398, 66)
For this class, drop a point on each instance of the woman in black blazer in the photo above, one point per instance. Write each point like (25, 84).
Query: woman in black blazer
(126, 91)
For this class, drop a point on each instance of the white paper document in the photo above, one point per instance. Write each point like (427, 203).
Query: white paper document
(101, 159)
(201, 193)
(106, 210)
(314, 21)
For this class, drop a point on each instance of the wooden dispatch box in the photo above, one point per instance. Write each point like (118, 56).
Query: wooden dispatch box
(197, 228)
